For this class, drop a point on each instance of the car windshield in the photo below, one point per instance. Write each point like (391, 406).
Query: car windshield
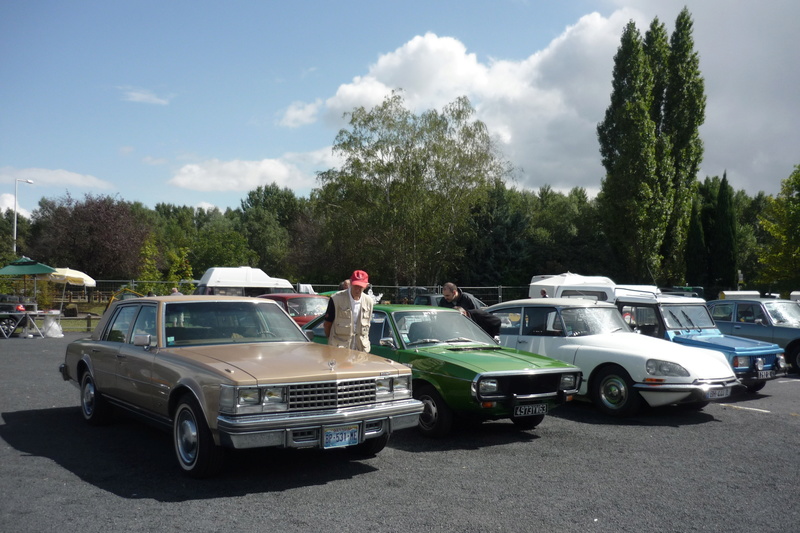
(784, 313)
(221, 322)
(687, 316)
(307, 306)
(428, 326)
(580, 321)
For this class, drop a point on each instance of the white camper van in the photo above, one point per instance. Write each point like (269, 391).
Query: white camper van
(240, 281)
(569, 285)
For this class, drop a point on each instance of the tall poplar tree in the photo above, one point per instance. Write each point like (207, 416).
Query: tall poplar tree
(634, 198)
(722, 246)
(684, 113)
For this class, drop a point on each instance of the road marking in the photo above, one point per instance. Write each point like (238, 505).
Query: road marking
(745, 408)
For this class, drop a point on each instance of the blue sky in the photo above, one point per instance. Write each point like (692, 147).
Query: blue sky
(198, 102)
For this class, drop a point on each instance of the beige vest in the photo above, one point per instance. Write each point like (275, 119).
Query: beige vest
(342, 326)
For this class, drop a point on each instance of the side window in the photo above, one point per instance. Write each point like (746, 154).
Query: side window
(378, 328)
(146, 323)
(510, 320)
(749, 313)
(120, 326)
(723, 312)
(541, 321)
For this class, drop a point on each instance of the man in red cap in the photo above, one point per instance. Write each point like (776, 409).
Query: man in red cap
(349, 315)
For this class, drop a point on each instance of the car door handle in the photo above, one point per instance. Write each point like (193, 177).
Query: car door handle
(737, 327)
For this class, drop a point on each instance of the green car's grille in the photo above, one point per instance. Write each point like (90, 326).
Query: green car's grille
(332, 394)
(531, 384)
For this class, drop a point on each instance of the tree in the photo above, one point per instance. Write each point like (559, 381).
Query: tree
(696, 252)
(267, 214)
(634, 198)
(100, 235)
(722, 245)
(400, 205)
(781, 253)
(684, 113)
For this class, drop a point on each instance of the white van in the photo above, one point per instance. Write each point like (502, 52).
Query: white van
(569, 285)
(240, 281)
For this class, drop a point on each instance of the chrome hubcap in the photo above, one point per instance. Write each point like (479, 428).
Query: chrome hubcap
(186, 437)
(614, 392)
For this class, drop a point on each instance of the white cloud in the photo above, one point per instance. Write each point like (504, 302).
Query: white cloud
(144, 96)
(544, 109)
(294, 171)
(7, 203)
(300, 114)
(53, 178)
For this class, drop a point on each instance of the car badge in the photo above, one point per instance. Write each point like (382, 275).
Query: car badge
(332, 364)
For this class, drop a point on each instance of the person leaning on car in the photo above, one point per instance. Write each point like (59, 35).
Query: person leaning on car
(454, 297)
(349, 315)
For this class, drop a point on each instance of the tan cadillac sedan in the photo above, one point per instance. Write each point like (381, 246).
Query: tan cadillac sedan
(235, 372)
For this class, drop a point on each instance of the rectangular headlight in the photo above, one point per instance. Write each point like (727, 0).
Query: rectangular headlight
(568, 381)
(488, 386)
(274, 398)
(402, 387)
(249, 396)
(383, 388)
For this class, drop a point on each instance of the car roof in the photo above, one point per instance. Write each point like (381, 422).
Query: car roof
(551, 302)
(751, 300)
(661, 298)
(289, 295)
(391, 308)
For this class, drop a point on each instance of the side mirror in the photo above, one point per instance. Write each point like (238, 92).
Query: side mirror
(310, 334)
(388, 342)
(142, 340)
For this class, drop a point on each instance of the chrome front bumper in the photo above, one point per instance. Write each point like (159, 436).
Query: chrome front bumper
(306, 429)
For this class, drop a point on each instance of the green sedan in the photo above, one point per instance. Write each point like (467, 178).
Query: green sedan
(460, 371)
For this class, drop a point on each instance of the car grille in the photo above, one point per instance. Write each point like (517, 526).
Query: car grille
(531, 384)
(331, 394)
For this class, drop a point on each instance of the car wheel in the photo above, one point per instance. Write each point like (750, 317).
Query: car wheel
(197, 454)
(370, 447)
(95, 409)
(613, 393)
(757, 386)
(793, 357)
(437, 417)
(527, 422)
(7, 325)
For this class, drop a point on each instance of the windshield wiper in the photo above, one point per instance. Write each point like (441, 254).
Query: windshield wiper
(422, 341)
(676, 318)
(461, 339)
(689, 319)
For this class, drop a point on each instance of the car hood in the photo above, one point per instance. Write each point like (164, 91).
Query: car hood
(726, 343)
(290, 361)
(482, 358)
(699, 361)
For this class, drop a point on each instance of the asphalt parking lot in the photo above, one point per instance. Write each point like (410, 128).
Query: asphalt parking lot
(732, 467)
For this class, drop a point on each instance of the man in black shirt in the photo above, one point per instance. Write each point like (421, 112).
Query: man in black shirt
(454, 297)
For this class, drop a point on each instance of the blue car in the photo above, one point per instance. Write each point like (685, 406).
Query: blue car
(686, 320)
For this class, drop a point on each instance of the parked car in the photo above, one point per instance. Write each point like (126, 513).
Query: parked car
(764, 319)
(687, 321)
(301, 307)
(428, 299)
(235, 372)
(622, 371)
(10, 317)
(459, 371)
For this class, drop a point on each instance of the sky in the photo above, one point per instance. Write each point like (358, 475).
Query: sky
(194, 102)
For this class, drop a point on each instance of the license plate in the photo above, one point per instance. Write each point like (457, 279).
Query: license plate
(338, 436)
(766, 374)
(718, 393)
(530, 410)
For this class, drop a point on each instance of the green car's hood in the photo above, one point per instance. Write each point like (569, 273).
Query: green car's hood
(482, 358)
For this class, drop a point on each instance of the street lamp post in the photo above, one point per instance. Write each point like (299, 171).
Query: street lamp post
(16, 187)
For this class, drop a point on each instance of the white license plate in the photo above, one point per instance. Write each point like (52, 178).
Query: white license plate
(718, 393)
(766, 374)
(338, 436)
(530, 410)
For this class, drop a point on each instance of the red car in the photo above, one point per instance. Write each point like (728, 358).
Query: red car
(301, 307)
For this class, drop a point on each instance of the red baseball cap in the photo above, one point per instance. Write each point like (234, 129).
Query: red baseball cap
(360, 278)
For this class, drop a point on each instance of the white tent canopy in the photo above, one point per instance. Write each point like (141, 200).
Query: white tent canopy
(73, 277)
